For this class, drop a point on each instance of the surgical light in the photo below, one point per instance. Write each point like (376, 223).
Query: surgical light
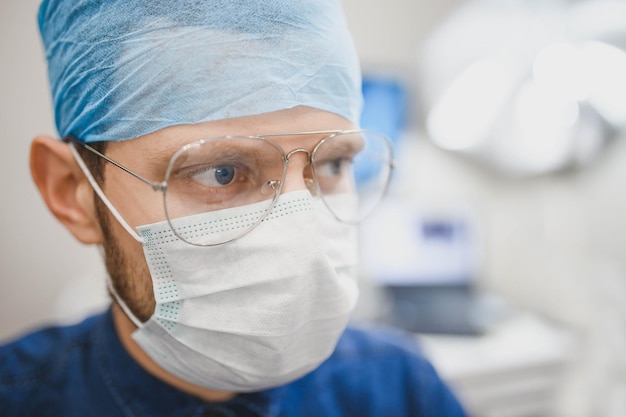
(526, 87)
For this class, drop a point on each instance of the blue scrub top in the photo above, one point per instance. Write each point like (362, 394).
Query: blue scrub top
(84, 371)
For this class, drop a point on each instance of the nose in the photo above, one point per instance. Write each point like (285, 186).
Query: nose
(299, 175)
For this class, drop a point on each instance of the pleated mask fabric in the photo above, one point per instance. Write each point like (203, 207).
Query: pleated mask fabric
(257, 312)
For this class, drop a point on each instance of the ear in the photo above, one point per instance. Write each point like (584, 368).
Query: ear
(64, 188)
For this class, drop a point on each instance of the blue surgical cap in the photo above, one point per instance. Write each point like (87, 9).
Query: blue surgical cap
(120, 69)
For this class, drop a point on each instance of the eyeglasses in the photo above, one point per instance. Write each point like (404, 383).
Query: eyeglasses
(350, 172)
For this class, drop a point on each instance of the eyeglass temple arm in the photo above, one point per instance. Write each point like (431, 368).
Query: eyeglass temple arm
(156, 186)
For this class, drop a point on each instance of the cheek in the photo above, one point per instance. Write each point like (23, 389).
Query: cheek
(128, 269)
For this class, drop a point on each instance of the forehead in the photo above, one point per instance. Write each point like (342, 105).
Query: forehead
(163, 143)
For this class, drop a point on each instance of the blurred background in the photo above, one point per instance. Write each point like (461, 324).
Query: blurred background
(502, 244)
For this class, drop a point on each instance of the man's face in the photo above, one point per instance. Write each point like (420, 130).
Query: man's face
(149, 155)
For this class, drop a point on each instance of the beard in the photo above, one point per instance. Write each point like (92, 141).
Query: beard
(130, 275)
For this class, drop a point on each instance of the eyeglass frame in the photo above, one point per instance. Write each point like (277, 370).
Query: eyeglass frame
(162, 185)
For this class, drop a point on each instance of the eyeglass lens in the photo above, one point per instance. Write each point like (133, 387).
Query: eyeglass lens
(350, 174)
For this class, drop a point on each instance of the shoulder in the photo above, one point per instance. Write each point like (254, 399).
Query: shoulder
(39, 362)
(34, 355)
(380, 371)
(372, 341)
(383, 354)
(381, 349)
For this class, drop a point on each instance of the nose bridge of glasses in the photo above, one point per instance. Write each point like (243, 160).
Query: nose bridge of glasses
(299, 150)
(299, 175)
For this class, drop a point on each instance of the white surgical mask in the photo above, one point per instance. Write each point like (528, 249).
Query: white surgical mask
(254, 313)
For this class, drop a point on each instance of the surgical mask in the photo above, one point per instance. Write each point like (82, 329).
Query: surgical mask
(254, 313)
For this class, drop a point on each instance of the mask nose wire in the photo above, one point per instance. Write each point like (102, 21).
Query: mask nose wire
(309, 182)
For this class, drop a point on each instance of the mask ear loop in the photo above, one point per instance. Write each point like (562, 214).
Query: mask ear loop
(103, 197)
(120, 219)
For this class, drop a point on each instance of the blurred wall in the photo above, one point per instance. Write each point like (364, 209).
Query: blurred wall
(547, 239)
(553, 245)
(39, 259)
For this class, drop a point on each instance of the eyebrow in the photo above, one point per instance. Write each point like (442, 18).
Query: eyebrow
(352, 143)
(155, 163)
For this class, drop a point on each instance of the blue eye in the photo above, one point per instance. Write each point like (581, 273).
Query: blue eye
(214, 176)
(332, 168)
(224, 174)
(336, 165)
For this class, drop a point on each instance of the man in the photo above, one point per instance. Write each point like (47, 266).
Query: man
(211, 149)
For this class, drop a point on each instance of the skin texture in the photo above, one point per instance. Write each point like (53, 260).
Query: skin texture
(70, 197)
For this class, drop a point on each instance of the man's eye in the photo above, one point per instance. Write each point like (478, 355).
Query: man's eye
(215, 176)
(333, 167)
